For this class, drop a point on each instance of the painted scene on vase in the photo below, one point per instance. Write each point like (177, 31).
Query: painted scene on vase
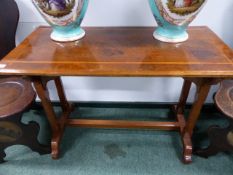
(179, 12)
(56, 8)
(60, 12)
(64, 16)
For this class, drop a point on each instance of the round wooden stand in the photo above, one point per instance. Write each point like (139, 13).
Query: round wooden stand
(16, 95)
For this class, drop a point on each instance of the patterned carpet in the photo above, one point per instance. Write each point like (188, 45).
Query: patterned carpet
(117, 152)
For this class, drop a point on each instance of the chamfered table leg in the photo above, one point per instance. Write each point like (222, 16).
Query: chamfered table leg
(179, 112)
(61, 94)
(179, 108)
(203, 87)
(66, 106)
(57, 124)
(40, 85)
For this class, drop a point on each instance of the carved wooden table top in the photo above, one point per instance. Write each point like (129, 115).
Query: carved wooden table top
(121, 52)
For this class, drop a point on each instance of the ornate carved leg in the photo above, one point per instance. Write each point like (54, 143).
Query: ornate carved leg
(212, 149)
(13, 132)
(30, 138)
(221, 139)
(40, 84)
(203, 87)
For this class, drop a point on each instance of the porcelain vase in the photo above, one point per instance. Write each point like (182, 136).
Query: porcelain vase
(173, 18)
(65, 17)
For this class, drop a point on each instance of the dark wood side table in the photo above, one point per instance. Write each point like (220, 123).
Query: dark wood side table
(122, 52)
(221, 139)
(16, 96)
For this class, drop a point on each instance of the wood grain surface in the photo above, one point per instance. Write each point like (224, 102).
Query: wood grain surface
(121, 51)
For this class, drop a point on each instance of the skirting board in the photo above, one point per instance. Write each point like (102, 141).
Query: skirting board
(95, 104)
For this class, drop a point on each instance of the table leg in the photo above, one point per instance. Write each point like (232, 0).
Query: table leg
(179, 112)
(203, 87)
(66, 106)
(179, 108)
(61, 93)
(40, 85)
(57, 124)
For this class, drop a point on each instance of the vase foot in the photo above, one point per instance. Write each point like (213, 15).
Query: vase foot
(169, 37)
(67, 36)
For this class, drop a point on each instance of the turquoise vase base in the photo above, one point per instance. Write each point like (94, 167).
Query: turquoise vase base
(67, 35)
(170, 36)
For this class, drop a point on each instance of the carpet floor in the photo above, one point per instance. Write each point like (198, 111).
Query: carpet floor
(117, 152)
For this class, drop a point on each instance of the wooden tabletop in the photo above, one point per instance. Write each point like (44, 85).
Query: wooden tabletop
(115, 51)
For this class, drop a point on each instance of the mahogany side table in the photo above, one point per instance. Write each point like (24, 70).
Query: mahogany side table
(122, 52)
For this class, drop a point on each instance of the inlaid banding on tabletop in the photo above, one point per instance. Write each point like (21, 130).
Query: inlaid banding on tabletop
(121, 70)
(116, 62)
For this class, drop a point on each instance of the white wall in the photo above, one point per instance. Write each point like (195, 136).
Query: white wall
(217, 15)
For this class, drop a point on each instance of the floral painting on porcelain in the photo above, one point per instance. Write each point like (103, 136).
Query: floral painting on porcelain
(179, 12)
